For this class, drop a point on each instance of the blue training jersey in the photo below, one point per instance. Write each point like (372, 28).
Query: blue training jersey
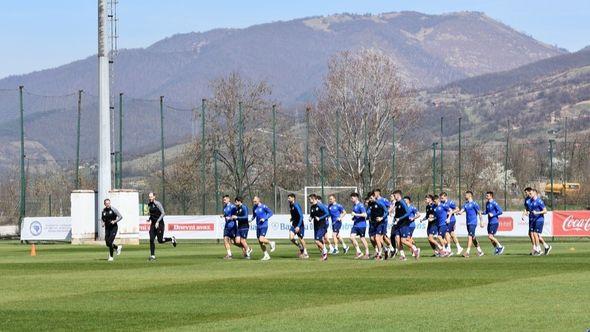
(527, 207)
(536, 205)
(335, 211)
(261, 213)
(228, 211)
(359, 208)
(451, 206)
(471, 211)
(385, 204)
(413, 212)
(441, 213)
(494, 208)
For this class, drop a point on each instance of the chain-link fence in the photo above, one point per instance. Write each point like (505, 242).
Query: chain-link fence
(192, 154)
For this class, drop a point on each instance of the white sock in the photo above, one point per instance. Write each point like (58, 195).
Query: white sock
(546, 245)
(499, 245)
(358, 250)
(413, 248)
(344, 246)
(305, 251)
(228, 252)
(478, 249)
(331, 247)
(336, 246)
(402, 253)
(468, 250)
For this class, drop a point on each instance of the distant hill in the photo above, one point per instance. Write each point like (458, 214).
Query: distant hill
(292, 56)
(534, 98)
(497, 81)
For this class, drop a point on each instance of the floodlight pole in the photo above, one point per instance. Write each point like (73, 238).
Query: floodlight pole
(104, 166)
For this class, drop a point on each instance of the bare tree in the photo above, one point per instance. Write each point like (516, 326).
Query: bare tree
(362, 93)
(238, 136)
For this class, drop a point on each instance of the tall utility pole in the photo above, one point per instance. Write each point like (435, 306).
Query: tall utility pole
(23, 180)
(163, 160)
(78, 139)
(104, 166)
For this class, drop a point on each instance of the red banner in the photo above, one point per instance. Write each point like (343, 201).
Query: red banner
(182, 227)
(505, 224)
(571, 223)
(192, 227)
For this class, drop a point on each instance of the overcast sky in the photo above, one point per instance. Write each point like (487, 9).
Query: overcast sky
(40, 34)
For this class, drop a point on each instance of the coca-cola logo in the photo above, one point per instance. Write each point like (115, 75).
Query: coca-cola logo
(572, 224)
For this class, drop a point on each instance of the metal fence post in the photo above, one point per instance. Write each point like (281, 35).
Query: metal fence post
(338, 147)
(240, 144)
(120, 184)
(393, 170)
(551, 171)
(322, 170)
(216, 174)
(274, 156)
(163, 161)
(506, 168)
(434, 168)
(203, 186)
(441, 154)
(460, 164)
(307, 165)
(564, 186)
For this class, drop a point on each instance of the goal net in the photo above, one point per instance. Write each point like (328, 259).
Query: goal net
(342, 194)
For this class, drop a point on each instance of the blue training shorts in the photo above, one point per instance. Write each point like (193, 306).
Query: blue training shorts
(493, 228)
(301, 231)
(359, 230)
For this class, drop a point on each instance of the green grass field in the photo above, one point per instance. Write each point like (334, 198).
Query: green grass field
(191, 288)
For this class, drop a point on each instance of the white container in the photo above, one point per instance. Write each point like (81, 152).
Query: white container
(127, 202)
(84, 216)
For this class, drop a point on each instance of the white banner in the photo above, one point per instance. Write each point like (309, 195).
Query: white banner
(46, 228)
(186, 227)
(512, 224)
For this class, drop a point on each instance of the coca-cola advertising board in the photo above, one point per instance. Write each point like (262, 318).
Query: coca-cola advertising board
(571, 223)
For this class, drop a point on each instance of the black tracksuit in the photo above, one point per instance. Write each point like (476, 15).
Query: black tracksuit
(157, 214)
(108, 216)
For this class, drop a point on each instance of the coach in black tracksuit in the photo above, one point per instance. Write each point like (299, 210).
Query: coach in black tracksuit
(110, 219)
(156, 220)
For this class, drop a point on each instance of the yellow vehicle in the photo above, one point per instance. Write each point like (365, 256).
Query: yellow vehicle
(561, 189)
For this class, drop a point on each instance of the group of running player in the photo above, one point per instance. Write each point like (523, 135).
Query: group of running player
(374, 213)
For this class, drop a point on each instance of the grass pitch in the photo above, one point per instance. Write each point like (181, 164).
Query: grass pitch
(191, 288)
